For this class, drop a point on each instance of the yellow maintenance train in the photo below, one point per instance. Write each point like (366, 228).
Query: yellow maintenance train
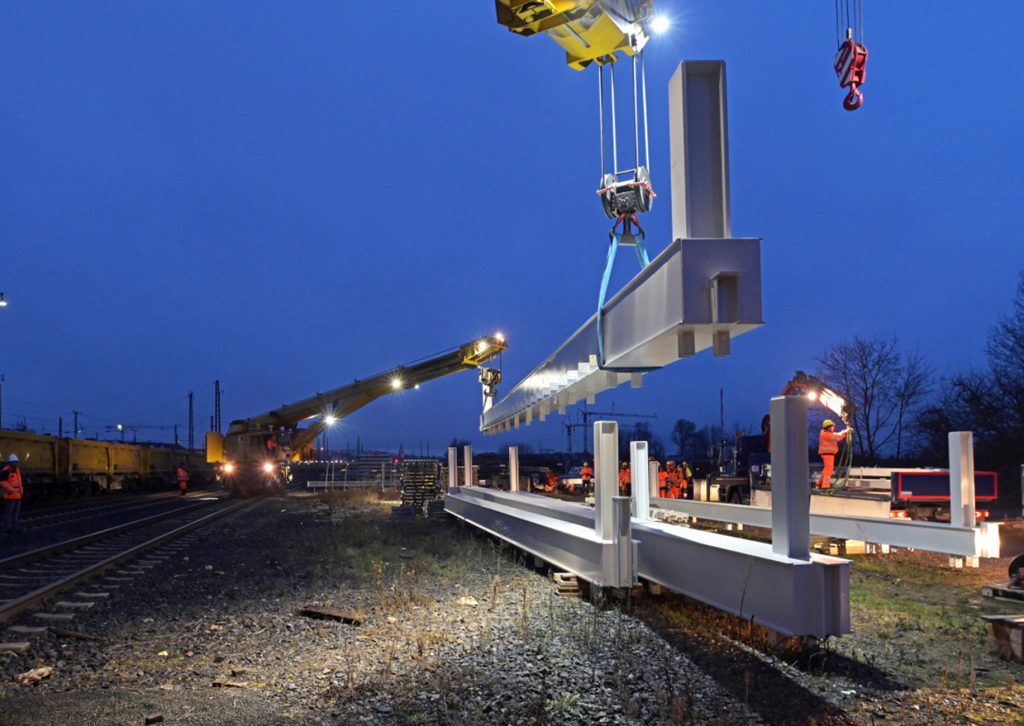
(58, 467)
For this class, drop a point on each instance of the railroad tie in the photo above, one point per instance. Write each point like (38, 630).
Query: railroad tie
(54, 616)
(96, 595)
(14, 647)
(27, 629)
(72, 605)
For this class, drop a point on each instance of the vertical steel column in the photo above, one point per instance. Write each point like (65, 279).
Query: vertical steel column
(622, 572)
(513, 469)
(791, 489)
(641, 480)
(652, 478)
(467, 461)
(961, 479)
(606, 475)
(453, 469)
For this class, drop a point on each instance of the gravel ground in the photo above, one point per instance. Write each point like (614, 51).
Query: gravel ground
(453, 630)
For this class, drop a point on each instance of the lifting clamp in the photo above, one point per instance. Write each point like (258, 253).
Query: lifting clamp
(851, 65)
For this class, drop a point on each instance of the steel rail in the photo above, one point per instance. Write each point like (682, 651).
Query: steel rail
(60, 547)
(30, 599)
(41, 520)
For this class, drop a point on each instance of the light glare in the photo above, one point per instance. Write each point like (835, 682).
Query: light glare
(660, 24)
(396, 383)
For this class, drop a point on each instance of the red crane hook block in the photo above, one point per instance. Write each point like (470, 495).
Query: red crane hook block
(851, 67)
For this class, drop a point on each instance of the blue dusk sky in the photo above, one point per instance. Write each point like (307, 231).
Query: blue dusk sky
(286, 196)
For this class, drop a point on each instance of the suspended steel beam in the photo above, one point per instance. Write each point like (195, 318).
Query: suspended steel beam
(697, 294)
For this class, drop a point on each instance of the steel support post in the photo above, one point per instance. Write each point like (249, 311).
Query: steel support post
(467, 461)
(513, 469)
(653, 468)
(453, 469)
(791, 492)
(606, 476)
(641, 478)
(621, 572)
(961, 479)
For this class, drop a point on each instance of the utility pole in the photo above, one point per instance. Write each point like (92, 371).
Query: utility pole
(216, 405)
(212, 427)
(60, 427)
(191, 423)
(175, 434)
(74, 434)
(2, 379)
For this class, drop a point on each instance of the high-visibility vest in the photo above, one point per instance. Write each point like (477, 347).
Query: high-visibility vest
(663, 483)
(12, 486)
(182, 474)
(828, 441)
(586, 474)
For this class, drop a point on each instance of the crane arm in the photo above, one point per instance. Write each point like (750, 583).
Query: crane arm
(803, 384)
(344, 400)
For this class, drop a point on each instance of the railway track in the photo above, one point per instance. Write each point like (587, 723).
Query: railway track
(32, 519)
(117, 554)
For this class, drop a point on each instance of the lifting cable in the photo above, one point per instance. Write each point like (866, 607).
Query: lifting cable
(852, 56)
(624, 193)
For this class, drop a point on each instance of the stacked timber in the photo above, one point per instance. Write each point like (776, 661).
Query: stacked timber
(419, 480)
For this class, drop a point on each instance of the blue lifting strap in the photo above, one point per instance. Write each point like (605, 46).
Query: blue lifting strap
(644, 260)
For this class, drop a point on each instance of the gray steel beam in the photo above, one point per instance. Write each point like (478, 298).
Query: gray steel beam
(929, 536)
(697, 294)
(790, 596)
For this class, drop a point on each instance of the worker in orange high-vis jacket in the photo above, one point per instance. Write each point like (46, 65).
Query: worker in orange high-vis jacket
(182, 476)
(625, 479)
(587, 477)
(663, 485)
(10, 483)
(828, 447)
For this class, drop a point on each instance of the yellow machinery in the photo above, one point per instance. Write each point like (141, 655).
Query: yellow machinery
(599, 31)
(254, 453)
(588, 30)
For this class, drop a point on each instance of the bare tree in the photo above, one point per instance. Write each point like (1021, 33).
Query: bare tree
(886, 386)
(990, 402)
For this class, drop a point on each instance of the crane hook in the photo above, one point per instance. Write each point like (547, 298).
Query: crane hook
(853, 99)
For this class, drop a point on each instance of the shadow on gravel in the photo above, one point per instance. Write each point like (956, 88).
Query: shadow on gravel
(735, 654)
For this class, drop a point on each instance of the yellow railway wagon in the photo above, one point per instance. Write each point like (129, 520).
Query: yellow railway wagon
(68, 467)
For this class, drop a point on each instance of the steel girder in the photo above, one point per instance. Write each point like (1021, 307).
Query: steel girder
(931, 536)
(697, 294)
(788, 595)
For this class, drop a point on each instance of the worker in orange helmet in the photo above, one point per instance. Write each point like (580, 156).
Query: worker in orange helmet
(10, 483)
(587, 476)
(828, 447)
(625, 479)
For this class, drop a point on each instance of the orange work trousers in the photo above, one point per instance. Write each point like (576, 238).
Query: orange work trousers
(826, 474)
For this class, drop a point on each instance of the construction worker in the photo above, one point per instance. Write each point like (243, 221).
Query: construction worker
(182, 475)
(671, 479)
(587, 475)
(625, 479)
(663, 488)
(828, 447)
(686, 479)
(10, 483)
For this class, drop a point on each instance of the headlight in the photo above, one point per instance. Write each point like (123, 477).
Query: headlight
(268, 467)
(229, 468)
